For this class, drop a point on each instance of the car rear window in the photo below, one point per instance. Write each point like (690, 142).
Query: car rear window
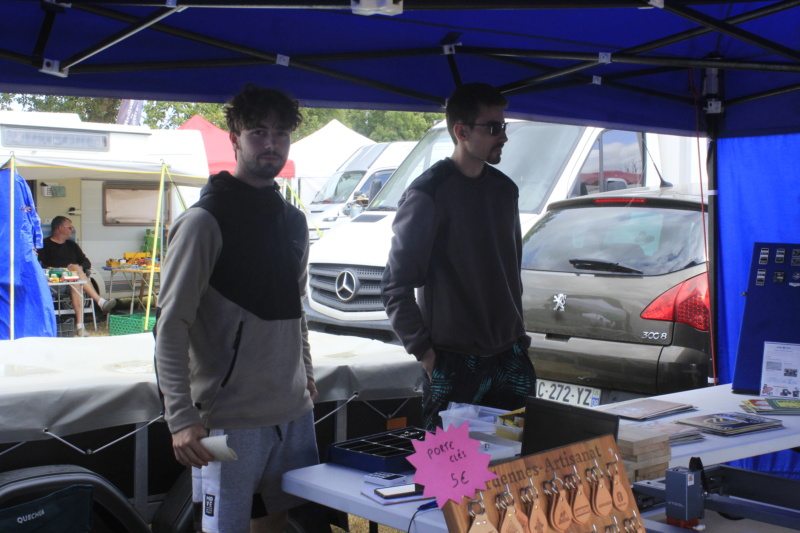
(633, 239)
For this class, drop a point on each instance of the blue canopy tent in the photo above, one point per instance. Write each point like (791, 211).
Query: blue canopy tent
(728, 70)
(32, 314)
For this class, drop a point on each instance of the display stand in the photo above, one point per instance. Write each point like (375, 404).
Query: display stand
(578, 487)
(772, 299)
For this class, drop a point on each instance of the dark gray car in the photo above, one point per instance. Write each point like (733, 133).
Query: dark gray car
(616, 296)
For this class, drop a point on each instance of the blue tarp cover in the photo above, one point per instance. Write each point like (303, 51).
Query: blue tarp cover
(33, 306)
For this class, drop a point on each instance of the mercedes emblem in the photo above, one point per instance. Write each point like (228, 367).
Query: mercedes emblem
(346, 285)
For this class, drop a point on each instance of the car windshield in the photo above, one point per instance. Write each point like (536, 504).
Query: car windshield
(533, 157)
(338, 188)
(632, 239)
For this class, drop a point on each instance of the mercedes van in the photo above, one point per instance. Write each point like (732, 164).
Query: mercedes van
(547, 161)
(348, 190)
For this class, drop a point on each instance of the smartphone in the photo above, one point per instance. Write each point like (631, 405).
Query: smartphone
(400, 491)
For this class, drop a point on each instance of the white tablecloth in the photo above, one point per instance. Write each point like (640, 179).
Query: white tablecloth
(72, 385)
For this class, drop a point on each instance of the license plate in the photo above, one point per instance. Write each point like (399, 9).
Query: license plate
(567, 393)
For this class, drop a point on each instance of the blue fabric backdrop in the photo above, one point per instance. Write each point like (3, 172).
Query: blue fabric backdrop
(759, 201)
(33, 305)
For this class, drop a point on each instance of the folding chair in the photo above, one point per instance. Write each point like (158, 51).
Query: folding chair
(62, 302)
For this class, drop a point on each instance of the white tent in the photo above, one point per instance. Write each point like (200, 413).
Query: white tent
(319, 155)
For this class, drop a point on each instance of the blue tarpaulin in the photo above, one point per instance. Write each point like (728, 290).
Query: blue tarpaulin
(759, 201)
(33, 306)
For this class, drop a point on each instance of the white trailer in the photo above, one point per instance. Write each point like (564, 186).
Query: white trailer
(104, 177)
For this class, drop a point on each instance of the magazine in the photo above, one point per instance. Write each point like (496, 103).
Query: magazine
(774, 406)
(728, 424)
(645, 408)
(678, 433)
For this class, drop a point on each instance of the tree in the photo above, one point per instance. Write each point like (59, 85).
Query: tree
(170, 115)
(102, 110)
(380, 126)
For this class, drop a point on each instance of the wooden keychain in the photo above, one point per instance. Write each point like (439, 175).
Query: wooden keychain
(560, 514)
(581, 508)
(600, 495)
(619, 496)
(480, 522)
(511, 520)
(537, 519)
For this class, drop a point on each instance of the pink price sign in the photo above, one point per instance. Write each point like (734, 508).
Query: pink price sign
(449, 465)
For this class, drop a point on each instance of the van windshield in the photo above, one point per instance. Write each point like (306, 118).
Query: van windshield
(533, 157)
(338, 188)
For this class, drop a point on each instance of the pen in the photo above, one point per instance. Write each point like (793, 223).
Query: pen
(426, 506)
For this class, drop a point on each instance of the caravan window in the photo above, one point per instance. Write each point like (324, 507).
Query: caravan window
(133, 204)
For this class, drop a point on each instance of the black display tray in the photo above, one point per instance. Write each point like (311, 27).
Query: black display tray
(382, 452)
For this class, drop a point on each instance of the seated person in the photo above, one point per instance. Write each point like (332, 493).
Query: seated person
(60, 251)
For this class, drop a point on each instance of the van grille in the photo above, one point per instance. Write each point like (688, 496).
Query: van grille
(367, 279)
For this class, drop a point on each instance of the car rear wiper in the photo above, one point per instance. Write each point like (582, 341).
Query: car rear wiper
(605, 266)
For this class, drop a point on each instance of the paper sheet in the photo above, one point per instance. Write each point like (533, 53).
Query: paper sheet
(218, 447)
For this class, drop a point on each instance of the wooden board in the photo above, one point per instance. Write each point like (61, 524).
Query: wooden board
(546, 470)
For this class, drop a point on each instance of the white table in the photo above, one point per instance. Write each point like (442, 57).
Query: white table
(135, 278)
(63, 300)
(339, 487)
(77, 385)
(74, 385)
(715, 449)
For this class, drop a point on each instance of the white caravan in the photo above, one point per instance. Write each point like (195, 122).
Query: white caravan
(548, 162)
(104, 177)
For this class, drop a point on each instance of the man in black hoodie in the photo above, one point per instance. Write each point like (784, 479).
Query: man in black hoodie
(232, 350)
(457, 239)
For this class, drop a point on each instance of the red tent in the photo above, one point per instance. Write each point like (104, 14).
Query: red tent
(218, 147)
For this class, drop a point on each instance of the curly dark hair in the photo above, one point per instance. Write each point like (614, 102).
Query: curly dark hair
(247, 109)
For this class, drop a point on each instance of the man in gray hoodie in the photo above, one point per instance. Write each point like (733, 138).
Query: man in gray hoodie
(232, 352)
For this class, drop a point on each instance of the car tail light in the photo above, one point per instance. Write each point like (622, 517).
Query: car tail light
(687, 303)
(620, 201)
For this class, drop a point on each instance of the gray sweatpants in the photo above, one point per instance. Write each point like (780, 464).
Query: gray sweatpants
(224, 490)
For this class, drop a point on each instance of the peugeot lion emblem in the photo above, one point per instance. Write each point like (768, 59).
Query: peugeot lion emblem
(346, 285)
(559, 300)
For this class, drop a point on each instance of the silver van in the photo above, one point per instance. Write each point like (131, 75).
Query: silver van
(348, 191)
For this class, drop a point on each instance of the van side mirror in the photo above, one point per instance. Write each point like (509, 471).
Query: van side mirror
(374, 188)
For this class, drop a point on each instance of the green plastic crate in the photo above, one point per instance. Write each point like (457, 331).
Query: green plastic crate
(128, 324)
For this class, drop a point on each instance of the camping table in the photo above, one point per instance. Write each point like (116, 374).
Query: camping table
(60, 299)
(63, 301)
(715, 449)
(339, 487)
(135, 277)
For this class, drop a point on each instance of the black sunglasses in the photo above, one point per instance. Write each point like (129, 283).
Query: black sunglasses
(495, 128)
